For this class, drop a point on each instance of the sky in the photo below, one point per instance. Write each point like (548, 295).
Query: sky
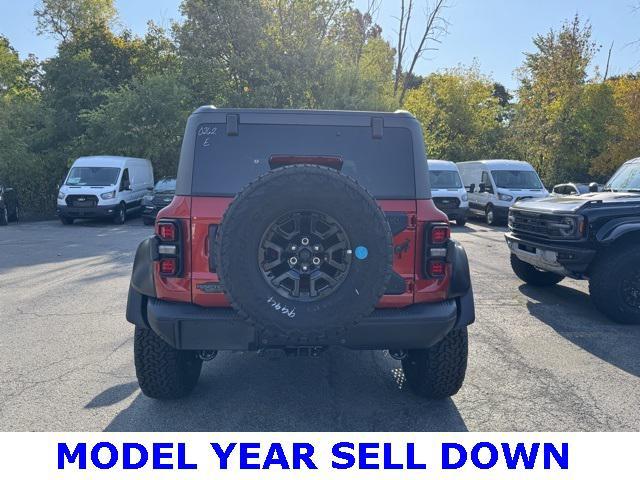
(496, 33)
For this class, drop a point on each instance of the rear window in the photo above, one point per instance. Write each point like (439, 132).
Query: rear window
(224, 165)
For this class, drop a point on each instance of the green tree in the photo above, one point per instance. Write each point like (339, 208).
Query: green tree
(63, 18)
(561, 121)
(623, 140)
(459, 113)
(145, 119)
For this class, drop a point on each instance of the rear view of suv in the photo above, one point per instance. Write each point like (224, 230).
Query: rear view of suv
(300, 230)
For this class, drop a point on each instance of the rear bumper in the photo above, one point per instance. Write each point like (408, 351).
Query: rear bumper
(562, 259)
(87, 212)
(190, 327)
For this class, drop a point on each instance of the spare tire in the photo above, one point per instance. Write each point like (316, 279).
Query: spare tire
(304, 253)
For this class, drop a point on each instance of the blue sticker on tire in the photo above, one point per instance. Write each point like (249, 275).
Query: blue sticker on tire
(362, 252)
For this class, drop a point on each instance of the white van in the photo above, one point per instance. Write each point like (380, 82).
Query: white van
(447, 190)
(104, 187)
(495, 185)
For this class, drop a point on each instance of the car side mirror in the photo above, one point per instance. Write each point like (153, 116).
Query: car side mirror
(481, 188)
(471, 188)
(593, 187)
(126, 185)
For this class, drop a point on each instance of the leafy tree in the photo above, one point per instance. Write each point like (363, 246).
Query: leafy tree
(551, 126)
(62, 19)
(145, 119)
(460, 115)
(623, 134)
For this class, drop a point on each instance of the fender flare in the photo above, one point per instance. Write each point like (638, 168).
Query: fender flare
(460, 286)
(614, 229)
(142, 284)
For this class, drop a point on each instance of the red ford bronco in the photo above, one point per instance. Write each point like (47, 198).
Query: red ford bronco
(300, 230)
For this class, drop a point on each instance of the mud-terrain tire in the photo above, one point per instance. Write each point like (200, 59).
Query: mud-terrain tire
(66, 220)
(284, 319)
(614, 284)
(164, 372)
(532, 275)
(438, 372)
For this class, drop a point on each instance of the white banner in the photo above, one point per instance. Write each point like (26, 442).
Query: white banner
(316, 456)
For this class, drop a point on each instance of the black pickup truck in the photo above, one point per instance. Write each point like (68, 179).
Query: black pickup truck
(594, 236)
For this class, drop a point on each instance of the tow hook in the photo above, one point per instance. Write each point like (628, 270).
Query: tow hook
(398, 354)
(207, 355)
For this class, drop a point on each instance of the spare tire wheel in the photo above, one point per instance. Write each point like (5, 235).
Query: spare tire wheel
(304, 252)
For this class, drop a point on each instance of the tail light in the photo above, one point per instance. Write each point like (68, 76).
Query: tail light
(169, 247)
(436, 240)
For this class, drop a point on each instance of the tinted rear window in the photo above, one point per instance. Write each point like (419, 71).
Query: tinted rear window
(224, 165)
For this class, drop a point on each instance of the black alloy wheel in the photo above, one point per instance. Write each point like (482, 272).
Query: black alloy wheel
(305, 255)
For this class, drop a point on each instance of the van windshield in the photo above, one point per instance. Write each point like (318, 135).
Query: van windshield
(516, 179)
(444, 179)
(627, 179)
(93, 176)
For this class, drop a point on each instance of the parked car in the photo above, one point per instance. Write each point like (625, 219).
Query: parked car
(595, 236)
(300, 230)
(447, 190)
(104, 187)
(495, 185)
(157, 199)
(8, 204)
(575, 188)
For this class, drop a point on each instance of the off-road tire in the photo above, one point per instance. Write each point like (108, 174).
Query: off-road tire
(66, 220)
(121, 214)
(607, 276)
(532, 275)
(438, 372)
(4, 216)
(148, 220)
(303, 188)
(163, 372)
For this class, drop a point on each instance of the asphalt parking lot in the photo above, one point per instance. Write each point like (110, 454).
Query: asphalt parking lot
(539, 359)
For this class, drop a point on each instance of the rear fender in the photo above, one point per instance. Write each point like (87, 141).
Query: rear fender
(142, 285)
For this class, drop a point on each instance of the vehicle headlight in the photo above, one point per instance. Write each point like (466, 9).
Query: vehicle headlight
(504, 197)
(570, 227)
(465, 197)
(108, 195)
(61, 195)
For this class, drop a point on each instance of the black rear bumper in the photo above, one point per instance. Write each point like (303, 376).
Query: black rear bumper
(190, 327)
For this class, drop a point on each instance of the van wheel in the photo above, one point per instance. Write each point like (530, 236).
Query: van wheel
(164, 372)
(461, 222)
(614, 285)
(532, 275)
(4, 216)
(66, 220)
(490, 216)
(121, 214)
(438, 372)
